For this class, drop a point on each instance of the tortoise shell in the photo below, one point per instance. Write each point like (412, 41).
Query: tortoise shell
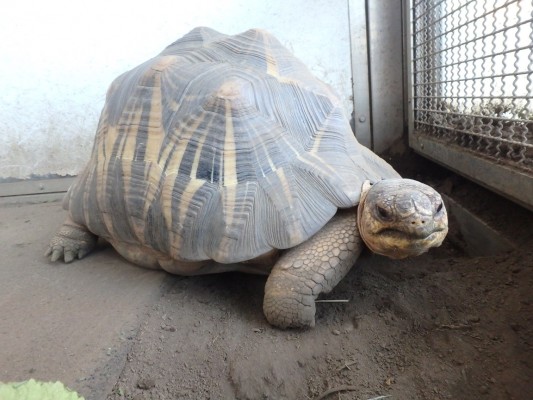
(221, 147)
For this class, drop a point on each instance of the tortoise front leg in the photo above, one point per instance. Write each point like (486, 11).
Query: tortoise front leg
(70, 242)
(309, 269)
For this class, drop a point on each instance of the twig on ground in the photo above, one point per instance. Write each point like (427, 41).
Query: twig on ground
(346, 365)
(344, 388)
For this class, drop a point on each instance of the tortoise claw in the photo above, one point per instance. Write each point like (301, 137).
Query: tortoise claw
(56, 255)
(69, 256)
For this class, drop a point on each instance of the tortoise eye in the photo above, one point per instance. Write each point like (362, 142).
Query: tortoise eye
(383, 213)
(439, 208)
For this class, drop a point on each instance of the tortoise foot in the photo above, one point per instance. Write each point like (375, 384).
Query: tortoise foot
(288, 303)
(70, 242)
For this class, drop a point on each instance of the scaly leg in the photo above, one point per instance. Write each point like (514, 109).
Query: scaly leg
(71, 241)
(309, 269)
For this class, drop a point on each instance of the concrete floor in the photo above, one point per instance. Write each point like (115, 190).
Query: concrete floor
(73, 323)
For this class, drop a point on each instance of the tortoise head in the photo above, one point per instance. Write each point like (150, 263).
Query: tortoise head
(399, 218)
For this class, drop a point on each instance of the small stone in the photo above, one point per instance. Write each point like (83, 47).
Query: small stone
(336, 332)
(483, 389)
(301, 364)
(168, 328)
(145, 383)
(472, 318)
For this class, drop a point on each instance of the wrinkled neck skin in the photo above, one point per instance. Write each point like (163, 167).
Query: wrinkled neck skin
(400, 218)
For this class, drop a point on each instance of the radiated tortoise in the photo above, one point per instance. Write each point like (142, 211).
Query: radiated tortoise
(224, 153)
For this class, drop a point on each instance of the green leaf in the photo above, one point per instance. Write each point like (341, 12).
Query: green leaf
(34, 390)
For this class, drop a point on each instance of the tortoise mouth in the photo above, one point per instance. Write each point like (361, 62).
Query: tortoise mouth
(398, 244)
(416, 236)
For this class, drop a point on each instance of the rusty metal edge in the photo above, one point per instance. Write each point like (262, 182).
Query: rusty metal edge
(513, 184)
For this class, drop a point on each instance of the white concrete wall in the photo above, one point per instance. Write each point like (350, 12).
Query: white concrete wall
(57, 58)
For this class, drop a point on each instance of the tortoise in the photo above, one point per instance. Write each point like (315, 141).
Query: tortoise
(224, 153)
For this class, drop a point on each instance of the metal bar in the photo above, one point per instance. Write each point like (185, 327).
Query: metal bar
(408, 16)
(360, 71)
(386, 86)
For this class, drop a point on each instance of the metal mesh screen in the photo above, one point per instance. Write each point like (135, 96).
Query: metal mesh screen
(472, 76)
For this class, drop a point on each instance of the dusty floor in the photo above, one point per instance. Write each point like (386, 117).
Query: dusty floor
(440, 326)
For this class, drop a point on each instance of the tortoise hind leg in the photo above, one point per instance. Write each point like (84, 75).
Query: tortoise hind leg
(71, 241)
(309, 269)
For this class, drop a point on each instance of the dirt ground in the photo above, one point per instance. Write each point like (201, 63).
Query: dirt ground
(444, 325)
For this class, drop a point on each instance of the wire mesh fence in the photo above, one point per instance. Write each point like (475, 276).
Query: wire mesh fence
(472, 77)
